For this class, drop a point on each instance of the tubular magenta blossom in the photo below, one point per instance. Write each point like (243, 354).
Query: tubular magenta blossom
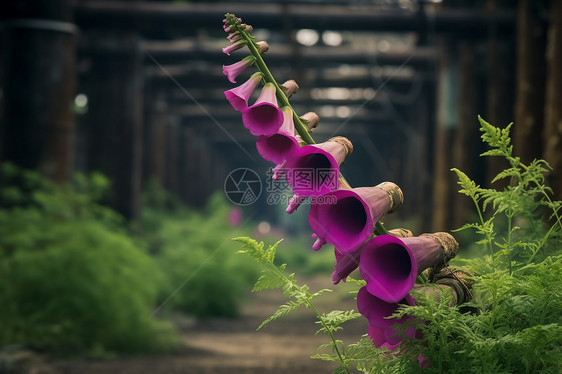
(346, 263)
(390, 265)
(378, 312)
(350, 221)
(313, 170)
(279, 146)
(239, 96)
(294, 203)
(264, 117)
(234, 46)
(232, 71)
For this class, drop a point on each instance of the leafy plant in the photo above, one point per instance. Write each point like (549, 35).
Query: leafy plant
(72, 278)
(515, 323)
(203, 277)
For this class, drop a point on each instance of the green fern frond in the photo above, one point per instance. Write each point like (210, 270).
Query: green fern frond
(468, 186)
(283, 310)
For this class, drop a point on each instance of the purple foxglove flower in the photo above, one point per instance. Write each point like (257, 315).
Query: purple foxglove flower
(232, 71)
(264, 117)
(379, 339)
(313, 170)
(350, 221)
(239, 96)
(234, 47)
(279, 146)
(279, 171)
(390, 265)
(346, 263)
(234, 37)
(294, 203)
(378, 312)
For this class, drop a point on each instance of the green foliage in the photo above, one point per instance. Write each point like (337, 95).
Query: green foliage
(514, 323)
(203, 277)
(72, 278)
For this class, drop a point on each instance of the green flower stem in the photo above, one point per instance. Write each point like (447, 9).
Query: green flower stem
(380, 229)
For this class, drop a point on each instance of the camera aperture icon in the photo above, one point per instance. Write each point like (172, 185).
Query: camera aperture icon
(242, 186)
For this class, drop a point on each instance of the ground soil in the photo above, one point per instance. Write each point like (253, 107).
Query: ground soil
(217, 346)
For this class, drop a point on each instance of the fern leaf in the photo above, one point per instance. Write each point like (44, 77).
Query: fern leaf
(269, 280)
(468, 187)
(281, 312)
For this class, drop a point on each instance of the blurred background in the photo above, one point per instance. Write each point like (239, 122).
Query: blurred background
(116, 141)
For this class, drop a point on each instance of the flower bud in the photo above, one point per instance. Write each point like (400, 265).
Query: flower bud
(262, 47)
(290, 88)
(311, 120)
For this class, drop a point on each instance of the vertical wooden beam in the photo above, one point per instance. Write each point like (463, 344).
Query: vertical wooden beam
(173, 155)
(447, 119)
(501, 87)
(154, 152)
(530, 89)
(114, 120)
(39, 58)
(467, 137)
(553, 107)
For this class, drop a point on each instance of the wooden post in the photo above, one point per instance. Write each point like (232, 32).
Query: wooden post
(501, 87)
(466, 144)
(530, 82)
(115, 90)
(447, 108)
(39, 58)
(553, 107)
(173, 155)
(155, 139)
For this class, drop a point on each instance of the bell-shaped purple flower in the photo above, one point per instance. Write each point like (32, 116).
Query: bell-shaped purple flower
(239, 96)
(346, 263)
(294, 204)
(264, 117)
(378, 337)
(378, 311)
(350, 221)
(232, 71)
(390, 265)
(313, 170)
(279, 146)
(234, 46)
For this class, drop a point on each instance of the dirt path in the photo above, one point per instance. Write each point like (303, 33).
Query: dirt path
(233, 346)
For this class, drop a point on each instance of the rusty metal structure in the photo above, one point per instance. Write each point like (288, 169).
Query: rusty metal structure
(134, 89)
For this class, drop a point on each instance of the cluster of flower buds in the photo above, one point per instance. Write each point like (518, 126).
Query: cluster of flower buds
(389, 262)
